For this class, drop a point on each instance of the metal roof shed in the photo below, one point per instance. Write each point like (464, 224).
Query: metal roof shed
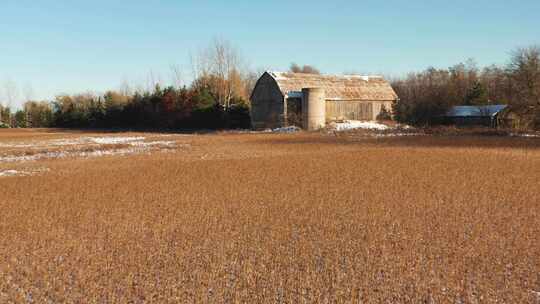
(474, 115)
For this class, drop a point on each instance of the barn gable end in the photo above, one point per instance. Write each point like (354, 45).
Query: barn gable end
(267, 107)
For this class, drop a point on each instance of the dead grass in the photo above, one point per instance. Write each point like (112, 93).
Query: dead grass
(279, 218)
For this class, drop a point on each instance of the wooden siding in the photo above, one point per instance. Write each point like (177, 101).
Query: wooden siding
(348, 110)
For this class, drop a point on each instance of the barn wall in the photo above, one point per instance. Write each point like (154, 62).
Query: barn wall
(267, 107)
(348, 110)
(355, 110)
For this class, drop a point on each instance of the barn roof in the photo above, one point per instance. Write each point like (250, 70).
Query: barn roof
(350, 87)
(475, 111)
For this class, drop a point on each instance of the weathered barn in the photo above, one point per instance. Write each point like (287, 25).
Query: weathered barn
(474, 115)
(281, 99)
(519, 117)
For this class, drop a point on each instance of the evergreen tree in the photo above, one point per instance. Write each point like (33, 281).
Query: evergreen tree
(20, 119)
(477, 95)
(384, 114)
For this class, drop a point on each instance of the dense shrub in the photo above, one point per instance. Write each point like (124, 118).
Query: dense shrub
(167, 108)
(426, 95)
(384, 115)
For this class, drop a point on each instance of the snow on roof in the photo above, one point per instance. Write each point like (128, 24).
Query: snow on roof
(337, 87)
(475, 111)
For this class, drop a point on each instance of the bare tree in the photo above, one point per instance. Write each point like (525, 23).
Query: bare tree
(125, 87)
(224, 64)
(176, 76)
(306, 69)
(524, 68)
(220, 67)
(251, 80)
(153, 80)
(28, 92)
(11, 91)
(497, 83)
(355, 72)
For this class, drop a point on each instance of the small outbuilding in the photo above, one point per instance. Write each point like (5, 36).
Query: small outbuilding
(312, 100)
(522, 117)
(474, 115)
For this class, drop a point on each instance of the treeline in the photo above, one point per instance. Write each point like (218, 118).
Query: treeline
(426, 95)
(217, 99)
(168, 108)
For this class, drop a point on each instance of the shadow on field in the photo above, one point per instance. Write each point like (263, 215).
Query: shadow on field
(423, 141)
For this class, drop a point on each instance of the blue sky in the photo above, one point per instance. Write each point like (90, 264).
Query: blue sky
(60, 46)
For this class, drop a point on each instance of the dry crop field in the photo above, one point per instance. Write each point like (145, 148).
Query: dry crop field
(268, 218)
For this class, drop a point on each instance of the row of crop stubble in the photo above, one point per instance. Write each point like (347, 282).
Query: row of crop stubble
(305, 219)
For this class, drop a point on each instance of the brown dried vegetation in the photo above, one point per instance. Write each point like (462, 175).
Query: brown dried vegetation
(279, 218)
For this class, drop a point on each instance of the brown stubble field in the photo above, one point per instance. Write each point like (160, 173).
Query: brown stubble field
(274, 218)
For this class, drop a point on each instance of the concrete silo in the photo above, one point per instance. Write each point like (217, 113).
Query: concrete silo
(313, 109)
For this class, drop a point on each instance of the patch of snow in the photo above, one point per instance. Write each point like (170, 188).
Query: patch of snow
(366, 78)
(525, 135)
(115, 140)
(277, 75)
(404, 127)
(153, 143)
(291, 129)
(137, 147)
(363, 77)
(354, 124)
(10, 173)
(26, 172)
(107, 140)
(16, 145)
(48, 143)
(64, 154)
(99, 153)
(135, 141)
(398, 134)
(62, 142)
(34, 157)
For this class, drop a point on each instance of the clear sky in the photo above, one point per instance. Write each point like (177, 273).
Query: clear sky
(49, 47)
